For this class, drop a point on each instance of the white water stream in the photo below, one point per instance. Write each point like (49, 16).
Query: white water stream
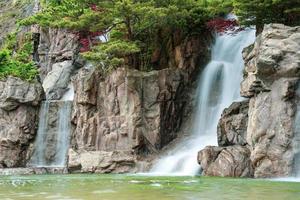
(219, 86)
(60, 138)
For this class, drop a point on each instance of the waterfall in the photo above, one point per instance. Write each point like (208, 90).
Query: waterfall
(219, 86)
(52, 142)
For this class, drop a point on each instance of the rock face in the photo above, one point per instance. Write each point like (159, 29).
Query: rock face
(19, 102)
(271, 78)
(232, 127)
(233, 161)
(57, 52)
(129, 111)
(122, 117)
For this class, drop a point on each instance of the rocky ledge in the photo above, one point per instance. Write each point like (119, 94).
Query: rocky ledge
(256, 137)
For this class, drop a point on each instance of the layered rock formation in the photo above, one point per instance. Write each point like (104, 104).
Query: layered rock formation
(258, 141)
(19, 101)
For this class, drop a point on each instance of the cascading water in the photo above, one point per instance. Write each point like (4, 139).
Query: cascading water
(52, 141)
(219, 86)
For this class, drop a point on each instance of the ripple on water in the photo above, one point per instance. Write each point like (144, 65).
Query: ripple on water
(103, 191)
(156, 185)
(290, 179)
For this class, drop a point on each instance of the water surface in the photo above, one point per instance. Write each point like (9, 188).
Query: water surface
(128, 187)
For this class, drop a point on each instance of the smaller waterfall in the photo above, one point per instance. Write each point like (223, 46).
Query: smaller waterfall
(69, 95)
(52, 141)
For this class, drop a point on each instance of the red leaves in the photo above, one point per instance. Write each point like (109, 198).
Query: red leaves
(222, 25)
(88, 39)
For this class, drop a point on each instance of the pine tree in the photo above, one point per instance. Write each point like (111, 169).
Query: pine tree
(260, 12)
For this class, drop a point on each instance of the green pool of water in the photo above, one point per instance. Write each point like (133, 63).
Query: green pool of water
(129, 187)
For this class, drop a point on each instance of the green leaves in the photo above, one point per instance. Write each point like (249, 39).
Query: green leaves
(112, 54)
(135, 26)
(259, 12)
(15, 59)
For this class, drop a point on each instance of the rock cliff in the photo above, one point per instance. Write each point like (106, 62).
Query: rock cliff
(19, 101)
(124, 116)
(256, 136)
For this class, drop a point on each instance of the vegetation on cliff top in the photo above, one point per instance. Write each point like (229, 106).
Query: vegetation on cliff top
(16, 58)
(134, 26)
(137, 28)
(260, 12)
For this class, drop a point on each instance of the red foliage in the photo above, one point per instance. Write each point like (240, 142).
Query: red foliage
(222, 25)
(88, 39)
(94, 7)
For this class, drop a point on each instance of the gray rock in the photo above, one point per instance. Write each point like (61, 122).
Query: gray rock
(232, 127)
(271, 130)
(57, 80)
(19, 102)
(14, 91)
(57, 53)
(102, 162)
(275, 54)
(232, 161)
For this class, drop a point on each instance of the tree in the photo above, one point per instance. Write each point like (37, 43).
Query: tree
(260, 12)
(134, 24)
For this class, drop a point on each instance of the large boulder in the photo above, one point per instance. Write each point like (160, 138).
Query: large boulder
(275, 54)
(19, 102)
(271, 129)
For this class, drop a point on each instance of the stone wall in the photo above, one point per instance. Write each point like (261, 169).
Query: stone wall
(258, 136)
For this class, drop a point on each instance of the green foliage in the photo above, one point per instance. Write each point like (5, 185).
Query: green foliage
(259, 12)
(133, 24)
(15, 58)
(111, 55)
